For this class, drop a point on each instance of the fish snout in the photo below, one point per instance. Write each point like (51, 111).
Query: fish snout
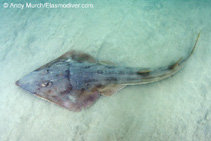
(22, 83)
(17, 83)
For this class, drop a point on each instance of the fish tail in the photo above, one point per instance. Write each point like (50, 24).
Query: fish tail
(191, 52)
(148, 76)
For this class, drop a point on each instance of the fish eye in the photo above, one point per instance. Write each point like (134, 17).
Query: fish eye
(46, 71)
(46, 83)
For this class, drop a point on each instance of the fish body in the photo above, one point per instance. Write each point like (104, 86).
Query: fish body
(76, 80)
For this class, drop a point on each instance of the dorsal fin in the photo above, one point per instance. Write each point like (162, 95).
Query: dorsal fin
(173, 66)
(144, 72)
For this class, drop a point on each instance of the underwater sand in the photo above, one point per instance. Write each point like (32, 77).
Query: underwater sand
(146, 33)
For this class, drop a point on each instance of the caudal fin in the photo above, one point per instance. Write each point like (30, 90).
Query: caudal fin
(164, 72)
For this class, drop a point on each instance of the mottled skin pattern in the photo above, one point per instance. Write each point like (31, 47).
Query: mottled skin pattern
(53, 84)
(75, 80)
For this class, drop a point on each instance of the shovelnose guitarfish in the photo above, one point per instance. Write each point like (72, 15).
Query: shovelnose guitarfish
(76, 80)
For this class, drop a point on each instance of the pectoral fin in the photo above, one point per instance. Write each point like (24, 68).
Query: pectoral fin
(74, 100)
(106, 63)
(110, 89)
(73, 55)
(78, 56)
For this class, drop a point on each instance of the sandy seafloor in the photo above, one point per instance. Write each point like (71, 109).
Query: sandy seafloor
(144, 33)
